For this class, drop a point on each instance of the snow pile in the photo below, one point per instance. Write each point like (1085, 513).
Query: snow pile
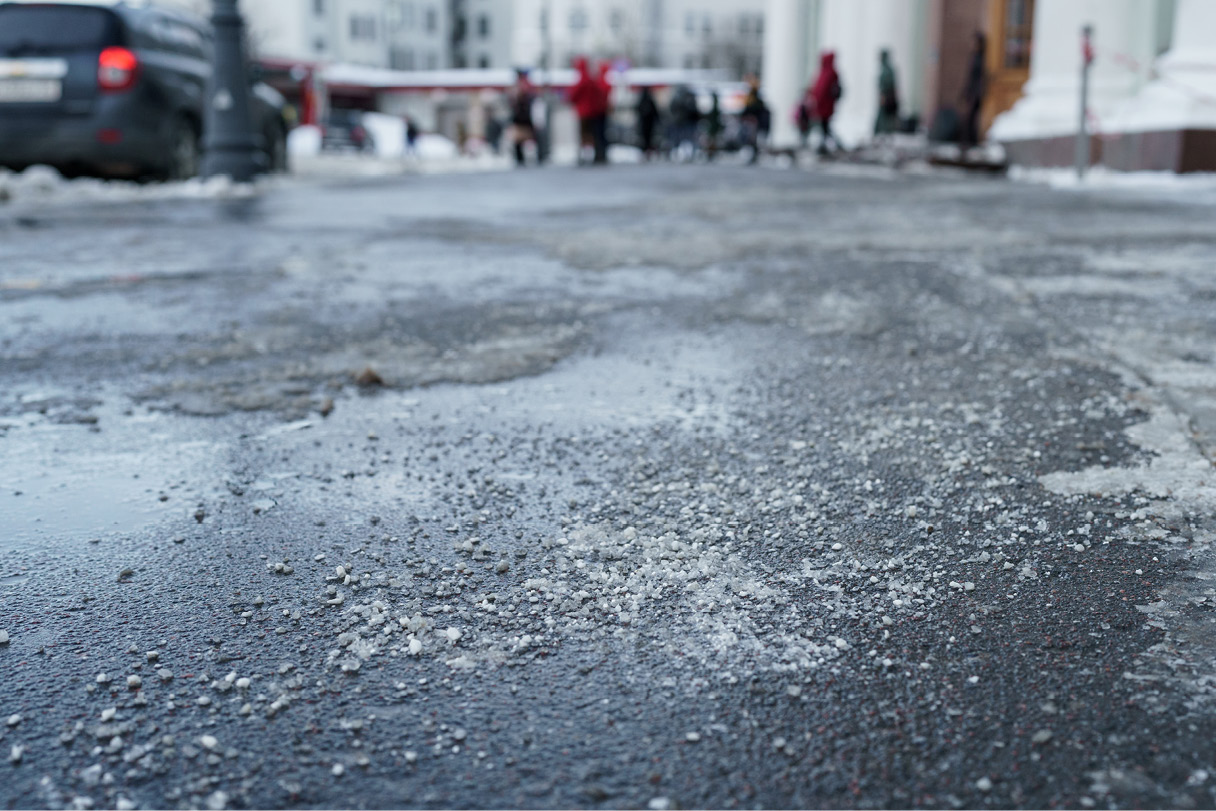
(388, 134)
(1198, 186)
(432, 147)
(304, 141)
(42, 184)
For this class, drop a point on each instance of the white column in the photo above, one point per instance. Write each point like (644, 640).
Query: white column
(857, 30)
(1050, 106)
(786, 35)
(1184, 94)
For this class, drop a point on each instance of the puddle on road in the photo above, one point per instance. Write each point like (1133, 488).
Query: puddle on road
(62, 486)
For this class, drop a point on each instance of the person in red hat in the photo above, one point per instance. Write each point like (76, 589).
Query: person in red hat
(826, 92)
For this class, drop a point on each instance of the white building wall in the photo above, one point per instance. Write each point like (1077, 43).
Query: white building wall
(1183, 94)
(358, 32)
(1124, 33)
(489, 37)
(857, 30)
(786, 45)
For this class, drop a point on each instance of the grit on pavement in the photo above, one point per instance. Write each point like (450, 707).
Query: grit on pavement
(655, 486)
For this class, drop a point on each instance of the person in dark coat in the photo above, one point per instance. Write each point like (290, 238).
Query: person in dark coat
(973, 93)
(756, 118)
(685, 116)
(713, 125)
(522, 129)
(887, 121)
(826, 92)
(648, 120)
(599, 118)
(804, 117)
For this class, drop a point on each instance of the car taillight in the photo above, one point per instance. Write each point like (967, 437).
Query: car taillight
(117, 69)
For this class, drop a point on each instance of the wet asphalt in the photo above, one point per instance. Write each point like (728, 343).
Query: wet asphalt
(653, 487)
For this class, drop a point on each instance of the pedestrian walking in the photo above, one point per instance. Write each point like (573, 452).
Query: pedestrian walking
(973, 92)
(591, 106)
(804, 115)
(522, 129)
(756, 119)
(648, 121)
(494, 130)
(713, 126)
(826, 92)
(685, 115)
(599, 120)
(411, 137)
(887, 121)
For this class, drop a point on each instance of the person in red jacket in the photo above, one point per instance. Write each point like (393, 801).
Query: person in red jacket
(599, 120)
(826, 92)
(586, 97)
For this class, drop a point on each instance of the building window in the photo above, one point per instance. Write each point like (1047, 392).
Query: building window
(544, 19)
(483, 26)
(407, 14)
(362, 26)
(318, 44)
(690, 23)
(432, 61)
(690, 61)
(745, 24)
(483, 61)
(759, 27)
(707, 26)
(1019, 24)
(318, 7)
(432, 20)
(616, 21)
(401, 59)
(395, 15)
(578, 20)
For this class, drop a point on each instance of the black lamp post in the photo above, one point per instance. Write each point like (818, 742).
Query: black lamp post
(229, 147)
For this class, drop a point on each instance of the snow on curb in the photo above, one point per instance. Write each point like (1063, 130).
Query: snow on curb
(1183, 186)
(43, 184)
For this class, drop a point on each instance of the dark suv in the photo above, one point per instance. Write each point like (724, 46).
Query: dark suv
(113, 90)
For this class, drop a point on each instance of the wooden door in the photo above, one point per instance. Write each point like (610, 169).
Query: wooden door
(1010, 37)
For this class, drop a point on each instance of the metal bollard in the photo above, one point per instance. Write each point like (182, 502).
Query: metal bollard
(1087, 59)
(229, 147)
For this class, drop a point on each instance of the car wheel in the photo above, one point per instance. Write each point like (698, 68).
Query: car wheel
(183, 157)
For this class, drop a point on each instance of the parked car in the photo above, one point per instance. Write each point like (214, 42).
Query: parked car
(113, 90)
(344, 130)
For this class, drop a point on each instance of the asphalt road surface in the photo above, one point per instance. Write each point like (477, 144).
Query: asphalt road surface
(658, 487)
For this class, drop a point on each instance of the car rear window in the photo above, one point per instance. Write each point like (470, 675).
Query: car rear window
(36, 30)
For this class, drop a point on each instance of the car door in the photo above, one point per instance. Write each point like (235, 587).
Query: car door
(172, 51)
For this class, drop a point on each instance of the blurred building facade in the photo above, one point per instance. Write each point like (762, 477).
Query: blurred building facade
(1152, 86)
(723, 35)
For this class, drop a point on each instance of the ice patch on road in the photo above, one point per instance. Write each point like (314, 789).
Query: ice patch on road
(696, 597)
(1179, 475)
(1098, 285)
